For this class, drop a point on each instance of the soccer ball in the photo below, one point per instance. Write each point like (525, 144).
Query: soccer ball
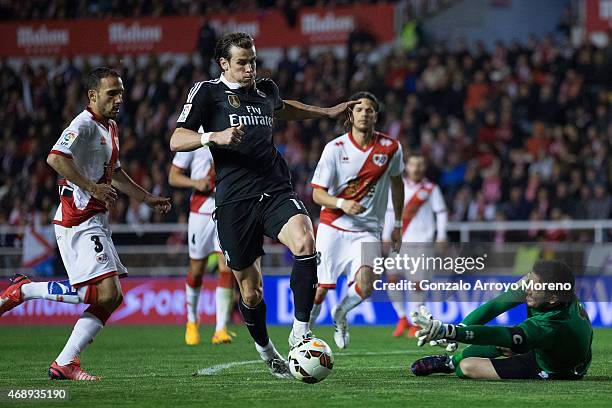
(311, 360)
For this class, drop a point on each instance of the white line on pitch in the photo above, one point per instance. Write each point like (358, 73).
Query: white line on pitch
(214, 370)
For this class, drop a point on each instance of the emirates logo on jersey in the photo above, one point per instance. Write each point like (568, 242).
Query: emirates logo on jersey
(380, 159)
(233, 100)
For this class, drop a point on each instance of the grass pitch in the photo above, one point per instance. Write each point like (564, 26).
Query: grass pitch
(152, 367)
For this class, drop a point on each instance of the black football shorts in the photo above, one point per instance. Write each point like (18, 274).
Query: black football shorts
(241, 225)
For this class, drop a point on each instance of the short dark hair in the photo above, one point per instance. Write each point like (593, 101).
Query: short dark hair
(415, 154)
(95, 76)
(223, 46)
(555, 271)
(366, 95)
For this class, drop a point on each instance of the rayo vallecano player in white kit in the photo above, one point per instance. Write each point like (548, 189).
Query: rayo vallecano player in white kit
(424, 218)
(351, 183)
(202, 239)
(86, 156)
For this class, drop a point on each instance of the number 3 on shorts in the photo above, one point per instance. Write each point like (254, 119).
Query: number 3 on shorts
(97, 244)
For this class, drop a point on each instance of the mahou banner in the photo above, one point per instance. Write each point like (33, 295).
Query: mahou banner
(313, 26)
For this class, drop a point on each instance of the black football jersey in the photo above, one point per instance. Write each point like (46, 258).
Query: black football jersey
(254, 166)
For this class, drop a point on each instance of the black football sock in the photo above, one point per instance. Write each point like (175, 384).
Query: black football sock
(255, 320)
(303, 283)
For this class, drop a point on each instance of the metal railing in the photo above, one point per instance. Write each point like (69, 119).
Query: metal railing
(153, 256)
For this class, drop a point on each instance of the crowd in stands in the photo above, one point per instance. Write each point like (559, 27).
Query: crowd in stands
(517, 132)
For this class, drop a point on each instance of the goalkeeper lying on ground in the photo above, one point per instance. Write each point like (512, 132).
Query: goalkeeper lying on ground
(553, 343)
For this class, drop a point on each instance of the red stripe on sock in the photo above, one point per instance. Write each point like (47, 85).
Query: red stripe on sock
(226, 280)
(194, 281)
(91, 294)
(100, 312)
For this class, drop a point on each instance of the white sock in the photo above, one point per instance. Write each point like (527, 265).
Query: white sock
(398, 300)
(223, 298)
(267, 352)
(192, 295)
(83, 333)
(350, 301)
(400, 309)
(314, 314)
(299, 328)
(58, 291)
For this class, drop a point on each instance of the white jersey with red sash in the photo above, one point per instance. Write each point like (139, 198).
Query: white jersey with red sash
(346, 170)
(200, 164)
(423, 203)
(94, 148)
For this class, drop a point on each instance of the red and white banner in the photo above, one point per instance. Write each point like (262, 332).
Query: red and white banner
(598, 15)
(314, 26)
(145, 301)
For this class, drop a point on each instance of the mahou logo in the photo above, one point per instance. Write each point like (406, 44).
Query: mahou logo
(313, 23)
(28, 37)
(249, 27)
(121, 33)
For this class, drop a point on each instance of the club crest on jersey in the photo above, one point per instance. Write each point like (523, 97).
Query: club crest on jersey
(102, 258)
(102, 141)
(233, 100)
(380, 159)
(422, 195)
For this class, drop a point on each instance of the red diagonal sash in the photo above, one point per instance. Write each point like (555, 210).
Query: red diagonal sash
(414, 204)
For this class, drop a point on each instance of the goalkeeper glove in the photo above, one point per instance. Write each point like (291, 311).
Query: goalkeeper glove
(431, 329)
(449, 346)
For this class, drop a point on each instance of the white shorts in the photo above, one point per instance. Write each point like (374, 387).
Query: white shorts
(412, 250)
(88, 251)
(341, 252)
(202, 235)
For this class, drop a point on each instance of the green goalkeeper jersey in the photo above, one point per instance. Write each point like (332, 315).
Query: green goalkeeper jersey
(560, 338)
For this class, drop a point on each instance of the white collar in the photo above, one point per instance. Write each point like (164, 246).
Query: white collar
(230, 85)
